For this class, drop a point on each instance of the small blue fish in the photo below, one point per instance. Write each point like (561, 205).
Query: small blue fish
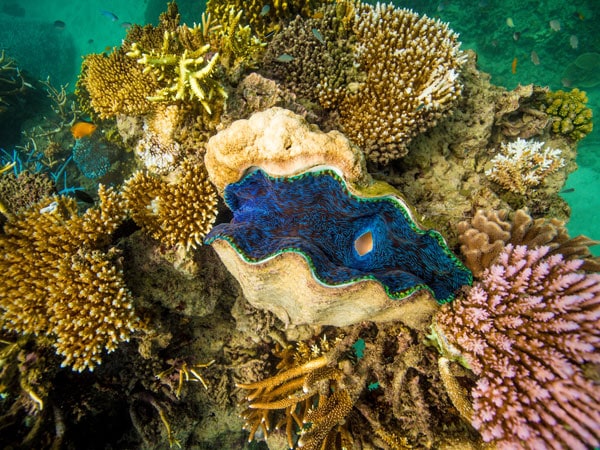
(318, 35)
(111, 16)
(285, 58)
(265, 10)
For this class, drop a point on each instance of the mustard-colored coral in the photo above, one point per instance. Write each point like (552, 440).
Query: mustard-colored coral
(178, 213)
(61, 278)
(115, 84)
(571, 117)
(411, 65)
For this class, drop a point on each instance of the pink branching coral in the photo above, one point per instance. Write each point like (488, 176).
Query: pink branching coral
(526, 329)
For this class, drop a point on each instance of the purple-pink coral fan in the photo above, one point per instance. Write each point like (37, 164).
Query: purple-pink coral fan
(525, 329)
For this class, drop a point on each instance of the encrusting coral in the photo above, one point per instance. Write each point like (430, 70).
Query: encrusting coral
(62, 279)
(525, 329)
(178, 212)
(522, 165)
(570, 115)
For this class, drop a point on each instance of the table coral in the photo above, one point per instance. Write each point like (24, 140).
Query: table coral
(179, 212)
(526, 329)
(522, 165)
(344, 239)
(60, 280)
(571, 116)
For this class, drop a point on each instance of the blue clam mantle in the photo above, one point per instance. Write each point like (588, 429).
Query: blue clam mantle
(315, 214)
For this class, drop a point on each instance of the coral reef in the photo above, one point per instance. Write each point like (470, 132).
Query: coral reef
(281, 143)
(347, 240)
(263, 17)
(385, 87)
(484, 237)
(525, 329)
(115, 84)
(63, 280)
(570, 114)
(319, 67)
(521, 165)
(411, 79)
(178, 212)
(20, 192)
(369, 386)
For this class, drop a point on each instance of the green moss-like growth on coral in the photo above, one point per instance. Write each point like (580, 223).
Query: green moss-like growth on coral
(571, 116)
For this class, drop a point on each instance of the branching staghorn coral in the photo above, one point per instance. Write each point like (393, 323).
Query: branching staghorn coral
(525, 330)
(484, 237)
(179, 212)
(62, 278)
(522, 165)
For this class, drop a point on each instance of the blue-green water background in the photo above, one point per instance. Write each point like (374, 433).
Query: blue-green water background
(499, 31)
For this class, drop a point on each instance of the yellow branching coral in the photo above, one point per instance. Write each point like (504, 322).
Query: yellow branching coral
(185, 75)
(115, 84)
(180, 212)
(521, 165)
(59, 279)
(263, 16)
(410, 66)
(571, 116)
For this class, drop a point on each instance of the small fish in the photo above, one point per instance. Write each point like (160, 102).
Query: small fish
(574, 41)
(90, 41)
(420, 107)
(318, 15)
(554, 25)
(567, 191)
(516, 35)
(265, 10)
(83, 196)
(108, 14)
(284, 58)
(50, 208)
(125, 25)
(513, 67)
(269, 34)
(316, 33)
(59, 25)
(510, 23)
(535, 59)
(82, 129)
(578, 15)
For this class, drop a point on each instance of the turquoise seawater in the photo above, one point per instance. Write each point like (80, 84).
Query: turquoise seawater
(541, 38)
